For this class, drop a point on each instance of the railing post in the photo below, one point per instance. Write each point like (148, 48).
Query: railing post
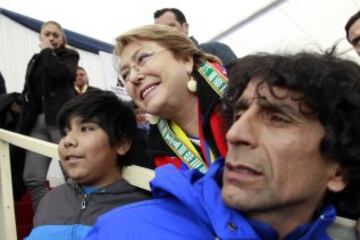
(7, 213)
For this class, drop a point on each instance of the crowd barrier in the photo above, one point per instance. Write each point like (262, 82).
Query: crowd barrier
(341, 229)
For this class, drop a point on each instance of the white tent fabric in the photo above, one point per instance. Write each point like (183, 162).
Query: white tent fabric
(291, 26)
(246, 26)
(18, 44)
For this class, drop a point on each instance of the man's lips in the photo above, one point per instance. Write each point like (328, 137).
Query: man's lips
(147, 89)
(241, 172)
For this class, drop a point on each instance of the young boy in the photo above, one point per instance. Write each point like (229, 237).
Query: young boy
(97, 131)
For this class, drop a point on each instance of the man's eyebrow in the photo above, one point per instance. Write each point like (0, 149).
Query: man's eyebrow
(241, 104)
(278, 107)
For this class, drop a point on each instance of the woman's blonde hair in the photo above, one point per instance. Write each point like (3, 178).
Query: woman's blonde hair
(178, 43)
(63, 45)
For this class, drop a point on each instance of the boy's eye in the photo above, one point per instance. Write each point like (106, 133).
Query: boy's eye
(86, 128)
(64, 132)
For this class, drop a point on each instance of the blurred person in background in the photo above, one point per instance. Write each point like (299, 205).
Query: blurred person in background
(49, 84)
(175, 18)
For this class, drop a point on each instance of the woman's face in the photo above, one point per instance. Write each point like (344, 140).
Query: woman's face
(52, 34)
(154, 79)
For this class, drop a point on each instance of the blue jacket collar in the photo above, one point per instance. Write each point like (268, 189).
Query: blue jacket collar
(201, 194)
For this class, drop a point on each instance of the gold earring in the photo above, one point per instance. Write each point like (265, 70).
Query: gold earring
(192, 85)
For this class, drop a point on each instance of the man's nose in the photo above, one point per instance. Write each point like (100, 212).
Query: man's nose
(244, 130)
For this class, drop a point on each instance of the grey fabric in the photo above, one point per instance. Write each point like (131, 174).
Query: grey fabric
(36, 165)
(63, 204)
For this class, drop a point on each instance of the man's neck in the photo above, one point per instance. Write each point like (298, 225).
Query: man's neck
(284, 221)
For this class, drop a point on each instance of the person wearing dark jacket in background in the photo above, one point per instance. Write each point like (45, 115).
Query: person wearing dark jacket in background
(81, 84)
(2, 84)
(48, 85)
(10, 108)
(173, 17)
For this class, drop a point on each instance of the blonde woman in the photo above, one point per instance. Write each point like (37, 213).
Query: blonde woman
(168, 77)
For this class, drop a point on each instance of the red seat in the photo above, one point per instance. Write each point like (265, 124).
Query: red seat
(24, 216)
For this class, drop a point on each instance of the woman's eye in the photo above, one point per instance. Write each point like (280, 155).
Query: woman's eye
(124, 76)
(143, 57)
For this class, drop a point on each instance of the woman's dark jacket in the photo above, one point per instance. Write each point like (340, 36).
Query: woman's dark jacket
(49, 83)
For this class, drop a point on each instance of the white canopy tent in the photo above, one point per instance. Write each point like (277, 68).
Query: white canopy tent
(246, 26)
(293, 25)
(18, 43)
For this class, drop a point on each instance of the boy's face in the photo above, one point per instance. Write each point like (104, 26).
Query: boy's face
(86, 154)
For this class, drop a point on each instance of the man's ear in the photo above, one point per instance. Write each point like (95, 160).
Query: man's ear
(337, 181)
(123, 147)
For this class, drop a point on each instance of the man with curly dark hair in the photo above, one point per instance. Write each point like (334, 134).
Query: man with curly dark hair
(293, 157)
(325, 89)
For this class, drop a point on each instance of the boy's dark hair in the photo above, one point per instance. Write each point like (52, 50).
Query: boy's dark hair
(180, 17)
(350, 22)
(330, 87)
(113, 115)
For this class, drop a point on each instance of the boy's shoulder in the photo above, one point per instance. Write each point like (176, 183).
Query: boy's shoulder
(60, 190)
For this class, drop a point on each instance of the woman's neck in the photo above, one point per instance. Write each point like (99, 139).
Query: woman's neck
(188, 118)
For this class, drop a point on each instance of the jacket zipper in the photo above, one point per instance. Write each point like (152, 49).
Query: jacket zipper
(83, 206)
(83, 202)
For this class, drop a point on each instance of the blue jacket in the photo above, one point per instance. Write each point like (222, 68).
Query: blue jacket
(189, 206)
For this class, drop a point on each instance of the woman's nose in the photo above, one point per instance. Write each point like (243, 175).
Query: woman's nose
(135, 74)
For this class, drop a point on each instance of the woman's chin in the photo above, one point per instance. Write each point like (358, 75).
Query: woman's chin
(154, 110)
